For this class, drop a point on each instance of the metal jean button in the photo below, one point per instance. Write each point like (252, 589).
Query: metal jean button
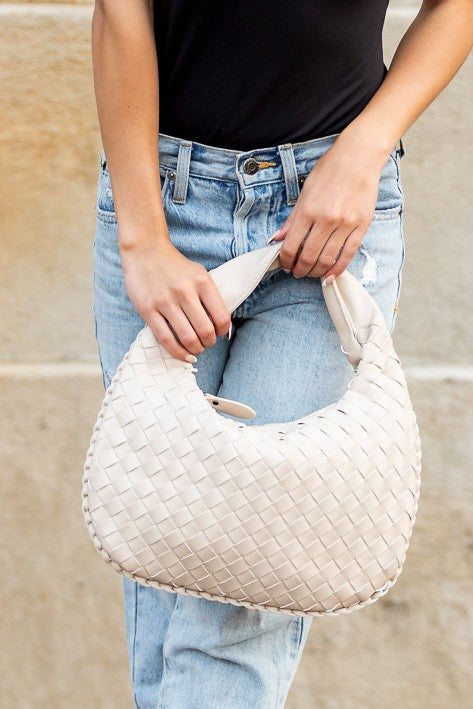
(250, 166)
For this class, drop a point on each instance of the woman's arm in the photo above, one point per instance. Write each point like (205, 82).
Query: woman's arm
(126, 89)
(430, 53)
(126, 92)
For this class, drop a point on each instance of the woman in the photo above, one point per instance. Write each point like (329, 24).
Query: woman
(269, 121)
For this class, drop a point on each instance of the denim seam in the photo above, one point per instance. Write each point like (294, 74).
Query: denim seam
(133, 651)
(166, 185)
(387, 213)
(240, 221)
(94, 311)
(396, 159)
(399, 273)
(104, 373)
(295, 643)
(166, 663)
(198, 174)
(229, 180)
(393, 158)
(106, 216)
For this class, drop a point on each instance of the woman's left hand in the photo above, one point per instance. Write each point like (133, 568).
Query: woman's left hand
(335, 208)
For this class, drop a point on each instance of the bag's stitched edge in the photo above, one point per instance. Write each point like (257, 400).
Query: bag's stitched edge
(203, 594)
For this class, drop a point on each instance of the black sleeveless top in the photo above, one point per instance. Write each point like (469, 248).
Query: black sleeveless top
(246, 74)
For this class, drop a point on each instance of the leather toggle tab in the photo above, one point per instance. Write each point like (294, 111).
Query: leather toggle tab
(229, 406)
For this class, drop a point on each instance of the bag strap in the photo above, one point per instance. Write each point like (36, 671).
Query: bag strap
(351, 307)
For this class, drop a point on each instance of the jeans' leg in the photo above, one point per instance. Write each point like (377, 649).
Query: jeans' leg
(219, 655)
(147, 610)
(285, 361)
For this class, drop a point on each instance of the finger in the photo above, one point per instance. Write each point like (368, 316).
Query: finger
(201, 323)
(164, 335)
(311, 249)
(316, 260)
(294, 237)
(349, 249)
(188, 329)
(215, 306)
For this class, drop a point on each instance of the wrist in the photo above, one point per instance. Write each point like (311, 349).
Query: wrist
(368, 141)
(135, 242)
(143, 228)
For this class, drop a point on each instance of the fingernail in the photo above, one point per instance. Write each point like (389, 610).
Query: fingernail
(276, 233)
(190, 358)
(286, 270)
(327, 281)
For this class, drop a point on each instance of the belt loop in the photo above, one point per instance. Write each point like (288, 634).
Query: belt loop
(290, 172)
(182, 172)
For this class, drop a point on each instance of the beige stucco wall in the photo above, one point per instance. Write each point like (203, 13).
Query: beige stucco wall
(62, 615)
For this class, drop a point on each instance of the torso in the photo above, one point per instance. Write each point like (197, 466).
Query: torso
(246, 74)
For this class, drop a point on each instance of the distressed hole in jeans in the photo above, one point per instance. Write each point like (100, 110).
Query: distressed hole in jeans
(370, 268)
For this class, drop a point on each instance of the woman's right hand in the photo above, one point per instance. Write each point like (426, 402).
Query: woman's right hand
(176, 297)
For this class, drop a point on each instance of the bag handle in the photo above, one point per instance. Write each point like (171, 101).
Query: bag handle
(351, 307)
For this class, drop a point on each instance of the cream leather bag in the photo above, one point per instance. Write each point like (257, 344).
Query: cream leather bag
(308, 517)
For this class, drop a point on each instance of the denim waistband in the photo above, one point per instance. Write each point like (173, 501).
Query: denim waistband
(288, 161)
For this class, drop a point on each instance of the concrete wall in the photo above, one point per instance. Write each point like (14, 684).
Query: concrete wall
(62, 620)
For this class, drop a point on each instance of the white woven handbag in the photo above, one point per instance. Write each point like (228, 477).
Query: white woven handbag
(308, 517)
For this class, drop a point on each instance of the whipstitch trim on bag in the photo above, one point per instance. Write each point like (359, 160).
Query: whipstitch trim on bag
(320, 520)
(203, 594)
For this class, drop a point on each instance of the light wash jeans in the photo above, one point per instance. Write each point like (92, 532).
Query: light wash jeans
(284, 359)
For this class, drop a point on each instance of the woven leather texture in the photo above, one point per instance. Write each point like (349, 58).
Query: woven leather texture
(308, 517)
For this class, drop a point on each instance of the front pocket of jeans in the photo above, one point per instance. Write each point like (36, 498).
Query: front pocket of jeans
(387, 213)
(390, 199)
(166, 175)
(105, 205)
